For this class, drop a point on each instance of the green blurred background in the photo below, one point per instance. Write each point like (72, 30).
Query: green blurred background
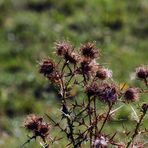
(28, 30)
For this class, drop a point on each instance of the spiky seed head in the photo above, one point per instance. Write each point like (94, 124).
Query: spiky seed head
(72, 57)
(62, 48)
(142, 72)
(47, 66)
(32, 122)
(108, 92)
(92, 89)
(103, 73)
(131, 94)
(89, 50)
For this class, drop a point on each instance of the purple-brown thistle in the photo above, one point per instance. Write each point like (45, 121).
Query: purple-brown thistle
(103, 73)
(47, 66)
(37, 126)
(89, 50)
(131, 94)
(108, 92)
(62, 48)
(142, 72)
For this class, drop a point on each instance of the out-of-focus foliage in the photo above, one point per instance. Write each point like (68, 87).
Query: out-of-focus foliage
(28, 29)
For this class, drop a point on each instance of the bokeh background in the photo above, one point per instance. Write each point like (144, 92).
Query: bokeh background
(28, 30)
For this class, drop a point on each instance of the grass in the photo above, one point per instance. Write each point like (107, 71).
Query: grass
(28, 30)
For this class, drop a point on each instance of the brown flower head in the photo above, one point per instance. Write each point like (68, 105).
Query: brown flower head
(92, 89)
(142, 72)
(72, 57)
(44, 129)
(62, 48)
(131, 94)
(46, 67)
(88, 67)
(103, 73)
(89, 50)
(107, 92)
(32, 122)
(54, 77)
(36, 126)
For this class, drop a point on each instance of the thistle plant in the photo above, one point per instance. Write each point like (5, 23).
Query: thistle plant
(85, 121)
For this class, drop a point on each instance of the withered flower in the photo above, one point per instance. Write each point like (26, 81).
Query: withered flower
(44, 129)
(103, 73)
(54, 77)
(32, 122)
(92, 89)
(89, 50)
(72, 57)
(47, 66)
(36, 125)
(131, 94)
(142, 72)
(88, 67)
(107, 92)
(62, 48)
(49, 69)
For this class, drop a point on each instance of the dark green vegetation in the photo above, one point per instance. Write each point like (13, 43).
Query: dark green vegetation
(28, 29)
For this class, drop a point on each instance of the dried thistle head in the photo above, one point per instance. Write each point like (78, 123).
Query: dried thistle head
(62, 48)
(36, 125)
(72, 57)
(88, 67)
(89, 50)
(91, 89)
(54, 77)
(108, 92)
(32, 122)
(49, 69)
(47, 66)
(103, 73)
(44, 129)
(131, 94)
(142, 72)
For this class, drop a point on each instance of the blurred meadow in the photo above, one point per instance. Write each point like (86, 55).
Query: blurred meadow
(28, 30)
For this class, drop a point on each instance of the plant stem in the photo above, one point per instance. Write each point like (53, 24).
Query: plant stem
(90, 119)
(96, 119)
(106, 118)
(136, 129)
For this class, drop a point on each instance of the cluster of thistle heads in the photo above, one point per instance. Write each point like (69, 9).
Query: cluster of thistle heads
(95, 75)
(79, 66)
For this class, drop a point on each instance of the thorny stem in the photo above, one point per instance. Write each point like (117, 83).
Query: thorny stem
(90, 119)
(82, 133)
(136, 129)
(28, 141)
(146, 82)
(70, 125)
(56, 124)
(96, 119)
(106, 118)
(83, 109)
